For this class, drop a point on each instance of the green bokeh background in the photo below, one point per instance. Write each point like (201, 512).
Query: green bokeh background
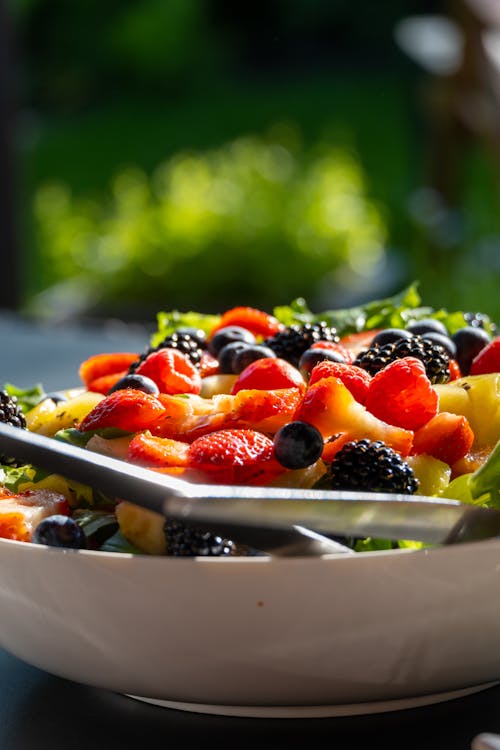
(195, 154)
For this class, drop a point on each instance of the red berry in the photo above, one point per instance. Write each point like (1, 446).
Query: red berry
(235, 457)
(354, 378)
(402, 394)
(258, 322)
(127, 409)
(488, 359)
(269, 373)
(446, 436)
(172, 371)
(154, 451)
(100, 365)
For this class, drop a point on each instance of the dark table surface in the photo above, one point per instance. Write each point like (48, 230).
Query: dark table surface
(39, 711)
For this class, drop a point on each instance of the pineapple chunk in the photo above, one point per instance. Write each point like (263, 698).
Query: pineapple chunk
(477, 397)
(142, 527)
(48, 417)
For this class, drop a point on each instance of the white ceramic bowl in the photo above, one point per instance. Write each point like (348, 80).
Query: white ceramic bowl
(259, 636)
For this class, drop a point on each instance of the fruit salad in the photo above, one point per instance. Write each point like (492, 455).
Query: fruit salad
(391, 396)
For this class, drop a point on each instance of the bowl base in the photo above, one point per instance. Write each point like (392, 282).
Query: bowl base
(312, 712)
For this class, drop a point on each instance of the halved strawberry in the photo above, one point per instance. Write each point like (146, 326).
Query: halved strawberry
(235, 457)
(488, 359)
(108, 363)
(354, 378)
(258, 322)
(269, 374)
(172, 371)
(446, 436)
(150, 450)
(330, 406)
(402, 394)
(127, 409)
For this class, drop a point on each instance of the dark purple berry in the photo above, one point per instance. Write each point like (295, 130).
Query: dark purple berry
(227, 335)
(388, 335)
(297, 445)
(443, 340)
(60, 531)
(227, 356)
(250, 354)
(469, 341)
(427, 325)
(311, 357)
(137, 382)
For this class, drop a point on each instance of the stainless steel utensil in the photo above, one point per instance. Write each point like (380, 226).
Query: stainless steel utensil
(268, 518)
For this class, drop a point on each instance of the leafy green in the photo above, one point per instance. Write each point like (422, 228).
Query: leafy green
(170, 321)
(481, 487)
(118, 543)
(27, 398)
(15, 477)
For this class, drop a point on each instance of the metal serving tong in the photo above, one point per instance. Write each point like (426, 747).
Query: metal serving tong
(282, 521)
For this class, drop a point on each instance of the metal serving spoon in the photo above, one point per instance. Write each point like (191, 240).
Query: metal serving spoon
(283, 521)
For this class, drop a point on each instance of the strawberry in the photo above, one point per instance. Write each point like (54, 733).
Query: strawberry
(235, 457)
(153, 451)
(99, 365)
(445, 436)
(172, 371)
(356, 342)
(258, 322)
(354, 378)
(455, 372)
(127, 409)
(269, 374)
(209, 365)
(103, 383)
(21, 513)
(488, 359)
(330, 406)
(402, 394)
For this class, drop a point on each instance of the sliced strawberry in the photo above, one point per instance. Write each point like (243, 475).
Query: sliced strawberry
(330, 406)
(105, 382)
(172, 371)
(354, 378)
(488, 359)
(402, 394)
(209, 365)
(258, 322)
(127, 409)
(100, 365)
(269, 374)
(455, 372)
(235, 457)
(446, 436)
(150, 450)
(356, 342)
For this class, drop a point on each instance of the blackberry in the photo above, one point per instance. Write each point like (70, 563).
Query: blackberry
(10, 413)
(291, 343)
(185, 342)
(370, 467)
(434, 357)
(184, 540)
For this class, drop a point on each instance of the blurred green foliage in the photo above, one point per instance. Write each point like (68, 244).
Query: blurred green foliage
(256, 221)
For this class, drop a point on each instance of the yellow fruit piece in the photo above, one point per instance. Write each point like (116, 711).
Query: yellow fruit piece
(477, 397)
(214, 384)
(433, 475)
(47, 417)
(301, 478)
(142, 527)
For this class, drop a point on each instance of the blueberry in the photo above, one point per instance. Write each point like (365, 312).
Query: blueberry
(227, 335)
(249, 354)
(311, 357)
(297, 445)
(469, 342)
(137, 383)
(227, 356)
(388, 335)
(427, 325)
(442, 340)
(60, 531)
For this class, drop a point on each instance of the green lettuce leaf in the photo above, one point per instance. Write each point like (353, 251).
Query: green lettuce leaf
(27, 398)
